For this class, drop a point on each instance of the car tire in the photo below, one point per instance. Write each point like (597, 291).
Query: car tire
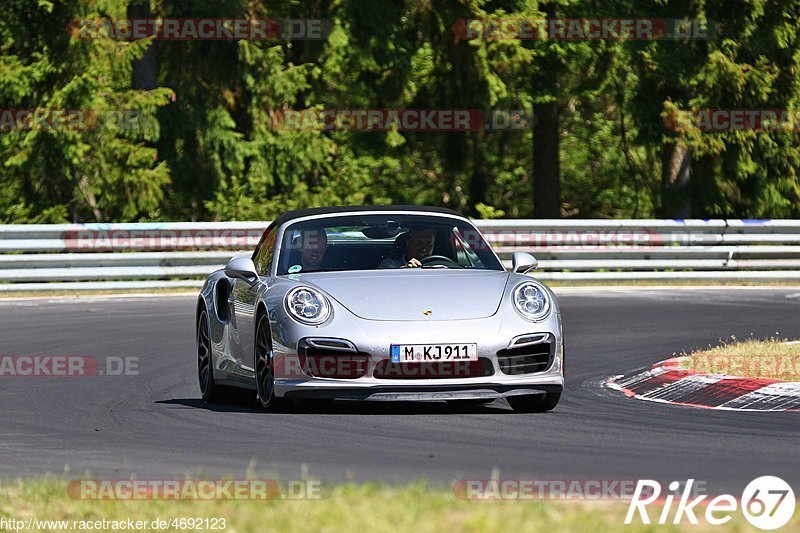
(538, 403)
(265, 369)
(209, 390)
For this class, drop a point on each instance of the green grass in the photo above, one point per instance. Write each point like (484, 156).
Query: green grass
(770, 359)
(374, 508)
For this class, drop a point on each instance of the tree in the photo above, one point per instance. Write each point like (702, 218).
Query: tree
(97, 166)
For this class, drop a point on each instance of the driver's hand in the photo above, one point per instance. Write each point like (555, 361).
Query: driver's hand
(413, 263)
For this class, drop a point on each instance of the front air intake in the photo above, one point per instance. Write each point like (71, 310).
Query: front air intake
(332, 359)
(526, 357)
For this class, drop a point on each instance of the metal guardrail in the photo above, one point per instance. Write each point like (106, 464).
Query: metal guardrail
(156, 255)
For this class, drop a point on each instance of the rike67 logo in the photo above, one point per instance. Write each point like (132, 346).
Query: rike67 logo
(767, 502)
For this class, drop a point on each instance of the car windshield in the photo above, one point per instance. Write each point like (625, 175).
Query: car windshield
(383, 241)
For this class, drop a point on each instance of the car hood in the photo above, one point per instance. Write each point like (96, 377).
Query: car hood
(415, 294)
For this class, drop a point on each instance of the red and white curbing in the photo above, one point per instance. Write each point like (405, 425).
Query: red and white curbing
(667, 382)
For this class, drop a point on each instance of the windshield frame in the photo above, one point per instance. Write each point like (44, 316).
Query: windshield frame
(273, 271)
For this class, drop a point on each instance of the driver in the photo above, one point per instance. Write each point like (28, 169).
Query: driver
(419, 245)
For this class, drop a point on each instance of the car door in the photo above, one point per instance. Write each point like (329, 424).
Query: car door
(243, 309)
(243, 303)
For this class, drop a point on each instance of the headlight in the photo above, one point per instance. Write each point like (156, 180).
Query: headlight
(308, 306)
(531, 301)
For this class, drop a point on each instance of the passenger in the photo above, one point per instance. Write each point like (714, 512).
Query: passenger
(313, 246)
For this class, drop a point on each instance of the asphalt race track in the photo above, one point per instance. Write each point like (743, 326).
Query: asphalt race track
(153, 424)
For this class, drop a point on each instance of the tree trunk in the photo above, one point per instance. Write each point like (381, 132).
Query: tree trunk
(145, 69)
(91, 199)
(546, 167)
(546, 164)
(676, 172)
(479, 178)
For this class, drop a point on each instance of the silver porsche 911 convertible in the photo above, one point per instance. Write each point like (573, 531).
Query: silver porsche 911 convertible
(379, 303)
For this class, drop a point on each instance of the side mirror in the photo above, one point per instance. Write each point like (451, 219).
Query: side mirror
(523, 263)
(242, 267)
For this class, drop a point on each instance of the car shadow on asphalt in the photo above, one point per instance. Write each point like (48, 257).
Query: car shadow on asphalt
(226, 406)
(246, 404)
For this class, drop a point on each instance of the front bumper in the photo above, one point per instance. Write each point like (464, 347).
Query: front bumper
(372, 340)
(368, 387)
(419, 393)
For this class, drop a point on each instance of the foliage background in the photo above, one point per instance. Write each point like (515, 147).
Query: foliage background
(202, 146)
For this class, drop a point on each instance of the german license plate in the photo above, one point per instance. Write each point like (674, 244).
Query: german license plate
(422, 353)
